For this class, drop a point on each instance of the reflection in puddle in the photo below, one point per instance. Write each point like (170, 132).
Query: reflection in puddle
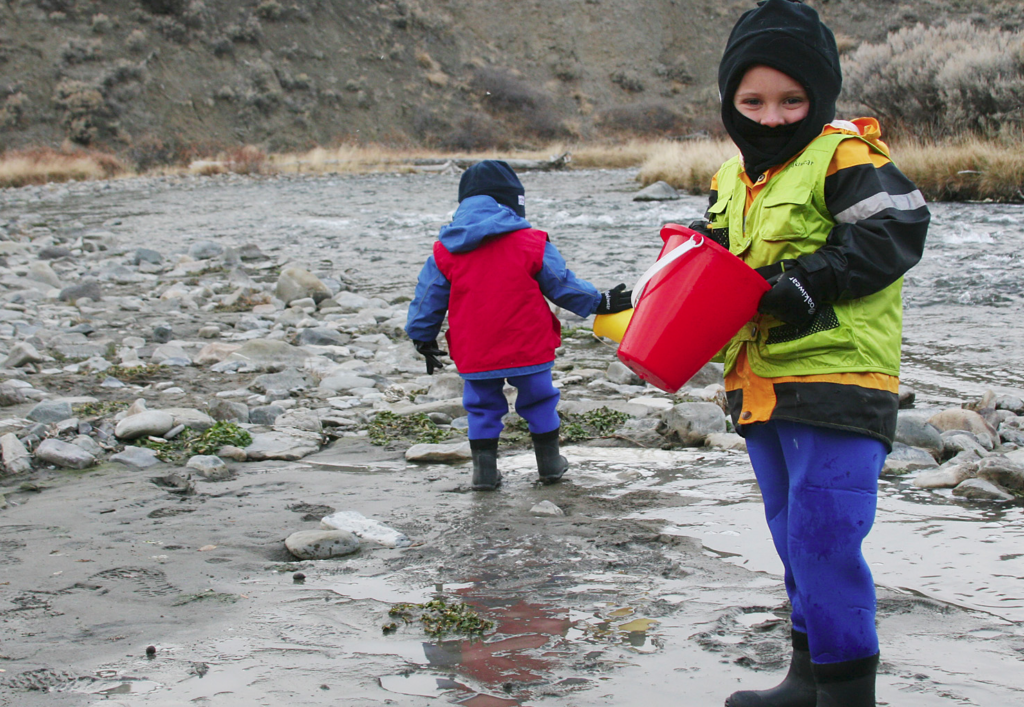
(419, 684)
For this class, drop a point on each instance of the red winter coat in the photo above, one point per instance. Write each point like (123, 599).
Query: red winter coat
(497, 316)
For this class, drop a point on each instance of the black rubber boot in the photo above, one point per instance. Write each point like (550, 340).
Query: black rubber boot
(797, 690)
(486, 476)
(550, 464)
(848, 684)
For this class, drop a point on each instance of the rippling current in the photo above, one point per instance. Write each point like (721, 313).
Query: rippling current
(964, 319)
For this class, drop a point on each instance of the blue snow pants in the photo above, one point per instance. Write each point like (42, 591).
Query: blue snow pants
(485, 404)
(820, 491)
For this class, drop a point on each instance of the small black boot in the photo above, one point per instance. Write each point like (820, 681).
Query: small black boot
(797, 690)
(550, 464)
(847, 684)
(486, 476)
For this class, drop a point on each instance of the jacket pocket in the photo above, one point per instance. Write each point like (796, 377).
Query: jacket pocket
(783, 216)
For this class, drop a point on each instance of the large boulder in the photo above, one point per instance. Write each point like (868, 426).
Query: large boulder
(967, 420)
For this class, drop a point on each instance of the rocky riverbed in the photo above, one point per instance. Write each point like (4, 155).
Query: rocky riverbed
(186, 398)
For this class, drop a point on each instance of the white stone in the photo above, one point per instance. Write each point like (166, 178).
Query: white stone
(321, 544)
(149, 422)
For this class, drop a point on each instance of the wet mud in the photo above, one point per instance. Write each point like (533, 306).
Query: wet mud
(608, 604)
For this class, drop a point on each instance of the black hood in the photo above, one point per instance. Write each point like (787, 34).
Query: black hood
(495, 179)
(788, 36)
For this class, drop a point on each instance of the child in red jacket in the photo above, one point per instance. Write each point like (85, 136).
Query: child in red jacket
(491, 272)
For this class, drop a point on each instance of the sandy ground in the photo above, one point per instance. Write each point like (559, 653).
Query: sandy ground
(591, 608)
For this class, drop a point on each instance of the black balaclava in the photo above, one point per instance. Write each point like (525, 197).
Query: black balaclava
(495, 179)
(785, 35)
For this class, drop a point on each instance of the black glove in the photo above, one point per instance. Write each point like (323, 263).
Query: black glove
(430, 351)
(720, 236)
(615, 300)
(791, 298)
(700, 226)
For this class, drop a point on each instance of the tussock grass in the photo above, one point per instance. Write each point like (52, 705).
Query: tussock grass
(19, 168)
(688, 166)
(968, 169)
(971, 169)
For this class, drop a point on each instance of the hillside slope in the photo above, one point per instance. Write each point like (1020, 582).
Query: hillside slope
(149, 75)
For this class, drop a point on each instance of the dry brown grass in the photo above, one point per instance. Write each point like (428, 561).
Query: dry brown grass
(971, 169)
(688, 166)
(19, 168)
(967, 169)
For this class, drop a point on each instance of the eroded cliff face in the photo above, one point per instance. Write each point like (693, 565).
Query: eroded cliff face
(173, 75)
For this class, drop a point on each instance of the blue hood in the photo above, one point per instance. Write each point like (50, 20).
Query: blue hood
(477, 218)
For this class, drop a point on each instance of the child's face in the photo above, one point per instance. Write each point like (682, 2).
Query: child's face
(770, 97)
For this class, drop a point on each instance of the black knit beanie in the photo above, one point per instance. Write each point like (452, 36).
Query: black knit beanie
(785, 35)
(495, 179)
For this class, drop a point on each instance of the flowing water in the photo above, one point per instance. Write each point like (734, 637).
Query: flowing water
(963, 335)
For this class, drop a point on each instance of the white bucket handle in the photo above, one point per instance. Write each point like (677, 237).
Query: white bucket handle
(662, 263)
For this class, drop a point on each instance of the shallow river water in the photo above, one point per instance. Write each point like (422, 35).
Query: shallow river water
(963, 335)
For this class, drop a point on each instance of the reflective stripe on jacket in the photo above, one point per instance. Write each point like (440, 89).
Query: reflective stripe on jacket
(788, 219)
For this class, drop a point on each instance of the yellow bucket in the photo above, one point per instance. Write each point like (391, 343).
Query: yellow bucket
(612, 326)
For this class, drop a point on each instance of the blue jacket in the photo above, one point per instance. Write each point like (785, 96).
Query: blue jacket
(477, 218)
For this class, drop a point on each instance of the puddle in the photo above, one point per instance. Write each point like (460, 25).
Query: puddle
(419, 684)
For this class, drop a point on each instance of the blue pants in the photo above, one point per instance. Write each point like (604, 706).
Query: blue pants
(486, 404)
(820, 490)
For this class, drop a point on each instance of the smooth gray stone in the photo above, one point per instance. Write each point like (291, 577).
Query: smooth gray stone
(288, 379)
(50, 411)
(439, 453)
(136, 457)
(290, 446)
(1000, 470)
(947, 476)
(144, 424)
(982, 490)
(63, 454)
(226, 410)
(643, 432)
(659, 191)
(146, 255)
(210, 467)
(296, 283)
(913, 429)
(53, 252)
(546, 508)
(342, 382)
(691, 423)
(87, 288)
(445, 386)
(904, 458)
(17, 459)
(204, 250)
(265, 414)
(323, 336)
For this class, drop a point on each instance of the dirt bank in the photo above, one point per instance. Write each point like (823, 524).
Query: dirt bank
(159, 80)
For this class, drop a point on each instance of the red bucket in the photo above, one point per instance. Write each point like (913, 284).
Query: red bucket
(691, 302)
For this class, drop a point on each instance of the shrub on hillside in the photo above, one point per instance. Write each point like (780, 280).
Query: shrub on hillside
(528, 109)
(648, 119)
(941, 81)
(503, 91)
(165, 7)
